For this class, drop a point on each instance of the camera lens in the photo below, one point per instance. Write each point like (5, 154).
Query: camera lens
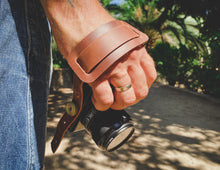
(109, 129)
(120, 138)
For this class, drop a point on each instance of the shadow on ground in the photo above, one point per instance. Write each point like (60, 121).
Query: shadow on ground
(175, 129)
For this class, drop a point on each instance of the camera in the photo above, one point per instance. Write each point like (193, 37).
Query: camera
(109, 129)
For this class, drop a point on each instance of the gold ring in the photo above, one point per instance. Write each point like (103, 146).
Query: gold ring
(124, 88)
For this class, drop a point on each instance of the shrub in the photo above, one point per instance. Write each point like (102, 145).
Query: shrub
(58, 60)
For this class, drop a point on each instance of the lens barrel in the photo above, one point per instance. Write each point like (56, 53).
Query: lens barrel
(109, 129)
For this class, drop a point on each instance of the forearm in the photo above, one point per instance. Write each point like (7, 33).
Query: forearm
(73, 19)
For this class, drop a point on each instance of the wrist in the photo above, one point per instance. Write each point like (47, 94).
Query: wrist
(71, 21)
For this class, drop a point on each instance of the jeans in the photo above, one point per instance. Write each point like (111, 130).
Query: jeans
(25, 72)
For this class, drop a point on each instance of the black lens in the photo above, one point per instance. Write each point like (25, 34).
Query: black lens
(118, 137)
(109, 129)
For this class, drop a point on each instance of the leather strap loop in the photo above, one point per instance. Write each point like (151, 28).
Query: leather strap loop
(103, 46)
(96, 34)
(96, 53)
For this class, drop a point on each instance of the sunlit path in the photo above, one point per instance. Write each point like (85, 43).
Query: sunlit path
(175, 129)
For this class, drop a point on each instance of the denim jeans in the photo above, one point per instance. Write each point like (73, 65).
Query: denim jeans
(25, 71)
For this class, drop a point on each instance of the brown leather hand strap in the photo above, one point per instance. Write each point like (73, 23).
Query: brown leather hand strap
(92, 57)
(102, 48)
(66, 121)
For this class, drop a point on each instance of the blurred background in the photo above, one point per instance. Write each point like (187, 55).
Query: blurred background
(183, 39)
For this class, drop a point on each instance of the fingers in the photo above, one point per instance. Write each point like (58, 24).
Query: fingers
(125, 98)
(139, 82)
(148, 66)
(102, 97)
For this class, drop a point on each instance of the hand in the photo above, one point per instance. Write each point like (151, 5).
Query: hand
(136, 69)
(70, 22)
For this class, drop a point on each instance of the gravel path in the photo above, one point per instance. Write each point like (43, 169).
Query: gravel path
(175, 129)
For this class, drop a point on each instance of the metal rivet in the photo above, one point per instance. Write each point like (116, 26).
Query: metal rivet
(71, 109)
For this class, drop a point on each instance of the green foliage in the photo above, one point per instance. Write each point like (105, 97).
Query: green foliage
(106, 2)
(166, 58)
(186, 34)
(160, 21)
(186, 67)
(58, 60)
(210, 74)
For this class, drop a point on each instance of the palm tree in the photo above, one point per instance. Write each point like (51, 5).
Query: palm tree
(160, 21)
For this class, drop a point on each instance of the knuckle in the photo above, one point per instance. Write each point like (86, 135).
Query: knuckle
(153, 76)
(103, 103)
(118, 107)
(118, 70)
(119, 76)
(106, 101)
(129, 101)
(102, 107)
(142, 93)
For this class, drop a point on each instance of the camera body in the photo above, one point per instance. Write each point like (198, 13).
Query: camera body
(109, 129)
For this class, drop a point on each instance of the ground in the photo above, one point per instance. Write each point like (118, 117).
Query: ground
(175, 129)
